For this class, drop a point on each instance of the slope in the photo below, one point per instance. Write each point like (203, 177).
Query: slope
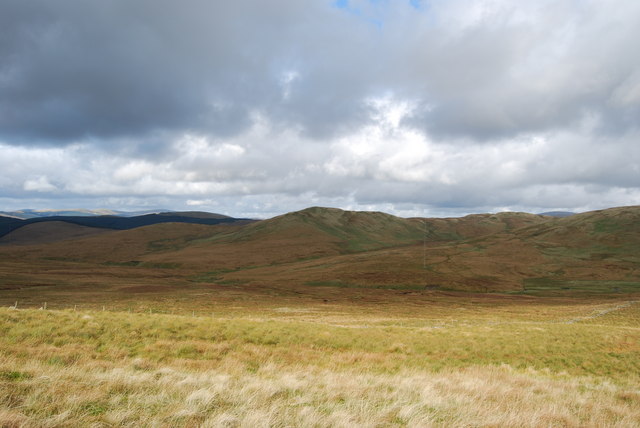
(51, 231)
(594, 251)
(307, 234)
(7, 225)
(513, 252)
(591, 252)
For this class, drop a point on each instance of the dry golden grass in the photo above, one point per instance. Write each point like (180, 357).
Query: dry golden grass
(136, 393)
(456, 363)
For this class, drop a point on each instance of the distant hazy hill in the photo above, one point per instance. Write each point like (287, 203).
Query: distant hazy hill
(558, 213)
(8, 225)
(29, 213)
(7, 216)
(193, 214)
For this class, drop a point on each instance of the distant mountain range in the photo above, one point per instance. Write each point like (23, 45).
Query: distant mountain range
(558, 213)
(96, 219)
(30, 213)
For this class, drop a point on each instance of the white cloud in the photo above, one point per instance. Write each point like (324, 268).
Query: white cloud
(40, 184)
(287, 79)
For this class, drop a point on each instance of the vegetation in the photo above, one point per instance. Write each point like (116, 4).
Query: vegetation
(327, 318)
(546, 286)
(7, 225)
(567, 362)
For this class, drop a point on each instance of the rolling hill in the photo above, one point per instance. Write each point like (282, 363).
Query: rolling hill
(50, 231)
(327, 247)
(558, 213)
(9, 224)
(26, 214)
(31, 213)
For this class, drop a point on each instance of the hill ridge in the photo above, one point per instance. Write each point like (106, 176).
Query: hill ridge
(8, 225)
(508, 252)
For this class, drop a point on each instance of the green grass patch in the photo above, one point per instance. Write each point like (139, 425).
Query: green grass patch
(14, 376)
(550, 284)
(154, 265)
(230, 281)
(210, 276)
(128, 263)
(336, 283)
(607, 225)
(94, 408)
(342, 284)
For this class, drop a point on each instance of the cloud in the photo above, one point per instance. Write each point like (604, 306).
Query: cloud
(74, 70)
(40, 184)
(385, 165)
(445, 105)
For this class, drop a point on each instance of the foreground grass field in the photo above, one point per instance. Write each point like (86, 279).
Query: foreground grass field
(431, 359)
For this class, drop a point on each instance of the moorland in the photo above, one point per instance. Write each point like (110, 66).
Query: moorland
(323, 317)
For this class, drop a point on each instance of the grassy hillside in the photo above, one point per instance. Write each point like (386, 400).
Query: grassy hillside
(327, 318)
(52, 231)
(592, 252)
(8, 225)
(597, 251)
(307, 234)
(324, 247)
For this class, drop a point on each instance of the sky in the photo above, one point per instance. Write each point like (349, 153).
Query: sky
(255, 108)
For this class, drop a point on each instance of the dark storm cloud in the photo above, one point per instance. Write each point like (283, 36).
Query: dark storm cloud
(74, 69)
(77, 69)
(80, 69)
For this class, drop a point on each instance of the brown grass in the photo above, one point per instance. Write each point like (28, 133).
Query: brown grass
(135, 394)
(309, 366)
(331, 247)
(321, 319)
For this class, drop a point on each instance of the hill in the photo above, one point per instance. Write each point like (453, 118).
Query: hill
(558, 213)
(312, 233)
(192, 214)
(513, 252)
(591, 251)
(306, 234)
(7, 225)
(327, 247)
(31, 213)
(51, 231)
